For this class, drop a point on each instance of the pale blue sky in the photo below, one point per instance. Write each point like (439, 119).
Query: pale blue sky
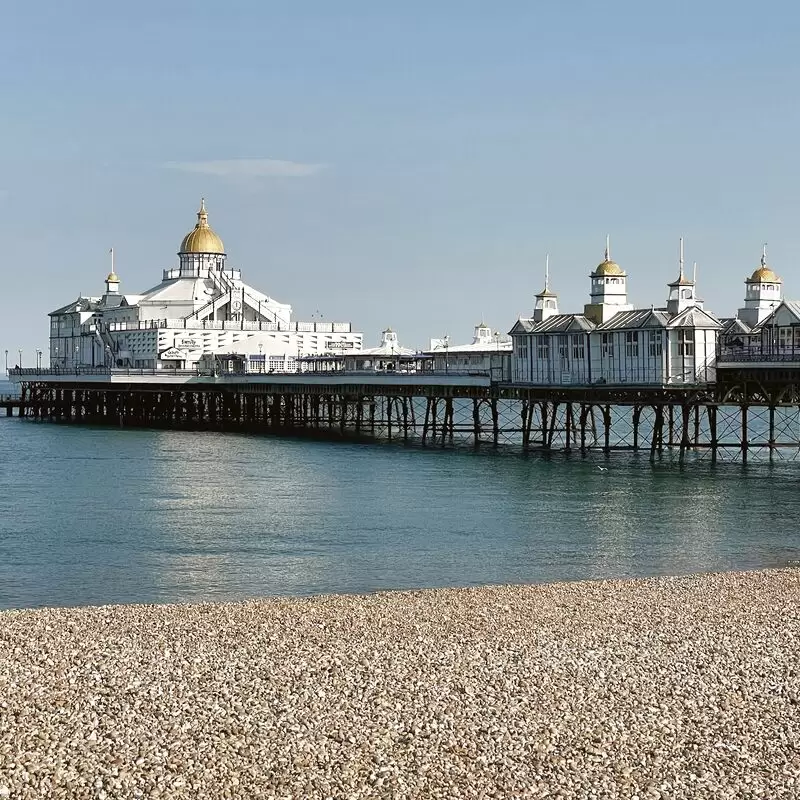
(451, 145)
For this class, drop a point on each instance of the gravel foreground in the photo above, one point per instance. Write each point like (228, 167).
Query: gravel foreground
(660, 688)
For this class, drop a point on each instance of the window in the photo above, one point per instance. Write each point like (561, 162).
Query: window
(654, 343)
(784, 338)
(607, 345)
(686, 342)
(632, 344)
(563, 347)
(578, 346)
(522, 352)
(542, 348)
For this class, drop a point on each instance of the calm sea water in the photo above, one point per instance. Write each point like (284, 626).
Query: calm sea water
(92, 516)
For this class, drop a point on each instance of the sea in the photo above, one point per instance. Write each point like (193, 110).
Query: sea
(93, 516)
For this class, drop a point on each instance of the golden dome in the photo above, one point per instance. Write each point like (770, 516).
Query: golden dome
(202, 239)
(608, 267)
(764, 275)
(112, 277)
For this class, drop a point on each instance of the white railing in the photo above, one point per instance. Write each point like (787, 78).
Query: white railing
(197, 272)
(230, 325)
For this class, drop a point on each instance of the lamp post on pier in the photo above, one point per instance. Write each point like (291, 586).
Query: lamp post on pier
(38, 359)
(20, 358)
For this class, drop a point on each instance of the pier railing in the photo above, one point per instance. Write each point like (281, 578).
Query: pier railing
(754, 356)
(228, 325)
(44, 372)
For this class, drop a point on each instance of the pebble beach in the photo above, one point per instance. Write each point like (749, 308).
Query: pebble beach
(682, 687)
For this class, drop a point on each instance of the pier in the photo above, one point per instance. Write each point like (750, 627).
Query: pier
(751, 411)
(11, 403)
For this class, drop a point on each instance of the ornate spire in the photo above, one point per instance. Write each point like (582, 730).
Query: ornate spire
(680, 260)
(608, 248)
(546, 291)
(202, 214)
(764, 255)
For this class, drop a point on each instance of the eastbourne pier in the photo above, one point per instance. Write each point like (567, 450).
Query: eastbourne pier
(751, 411)
(673, 379)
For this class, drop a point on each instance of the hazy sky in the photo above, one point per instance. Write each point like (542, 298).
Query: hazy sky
(397, 163)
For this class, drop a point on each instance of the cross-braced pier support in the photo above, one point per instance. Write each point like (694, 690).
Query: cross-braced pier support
(655, 421)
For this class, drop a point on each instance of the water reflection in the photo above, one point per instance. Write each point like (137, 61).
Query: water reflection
(97, 515)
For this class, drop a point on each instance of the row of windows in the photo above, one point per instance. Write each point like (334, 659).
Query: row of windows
(575, 346)
(614, 281)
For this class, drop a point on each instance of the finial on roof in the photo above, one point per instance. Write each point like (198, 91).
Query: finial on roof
(112, 276)
(694, 272)
(547, 272)
(608, 248)
(680, 258)
(764, 255)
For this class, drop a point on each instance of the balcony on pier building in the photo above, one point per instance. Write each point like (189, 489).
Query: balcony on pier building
(768, 353)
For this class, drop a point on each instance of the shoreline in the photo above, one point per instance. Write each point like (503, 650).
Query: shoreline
(680, 686)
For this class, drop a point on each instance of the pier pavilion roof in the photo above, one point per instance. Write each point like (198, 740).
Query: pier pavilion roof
(787, 312)
(558, 323)
(638, 318)
(79, 305)
(695, 317)
(501, 343)
(734, 325)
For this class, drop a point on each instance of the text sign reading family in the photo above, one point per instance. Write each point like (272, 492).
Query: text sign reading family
(187, 343)
(172, 354)
(339, 345)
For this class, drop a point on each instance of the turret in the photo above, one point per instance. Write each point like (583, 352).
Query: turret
(482, 334)
(682, 292)
(609, 291)
(546, 303)
(763, 291)
(112, 279)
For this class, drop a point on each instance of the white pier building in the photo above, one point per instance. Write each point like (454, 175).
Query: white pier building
(482, 354)
(612, 342)
(201, 307)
